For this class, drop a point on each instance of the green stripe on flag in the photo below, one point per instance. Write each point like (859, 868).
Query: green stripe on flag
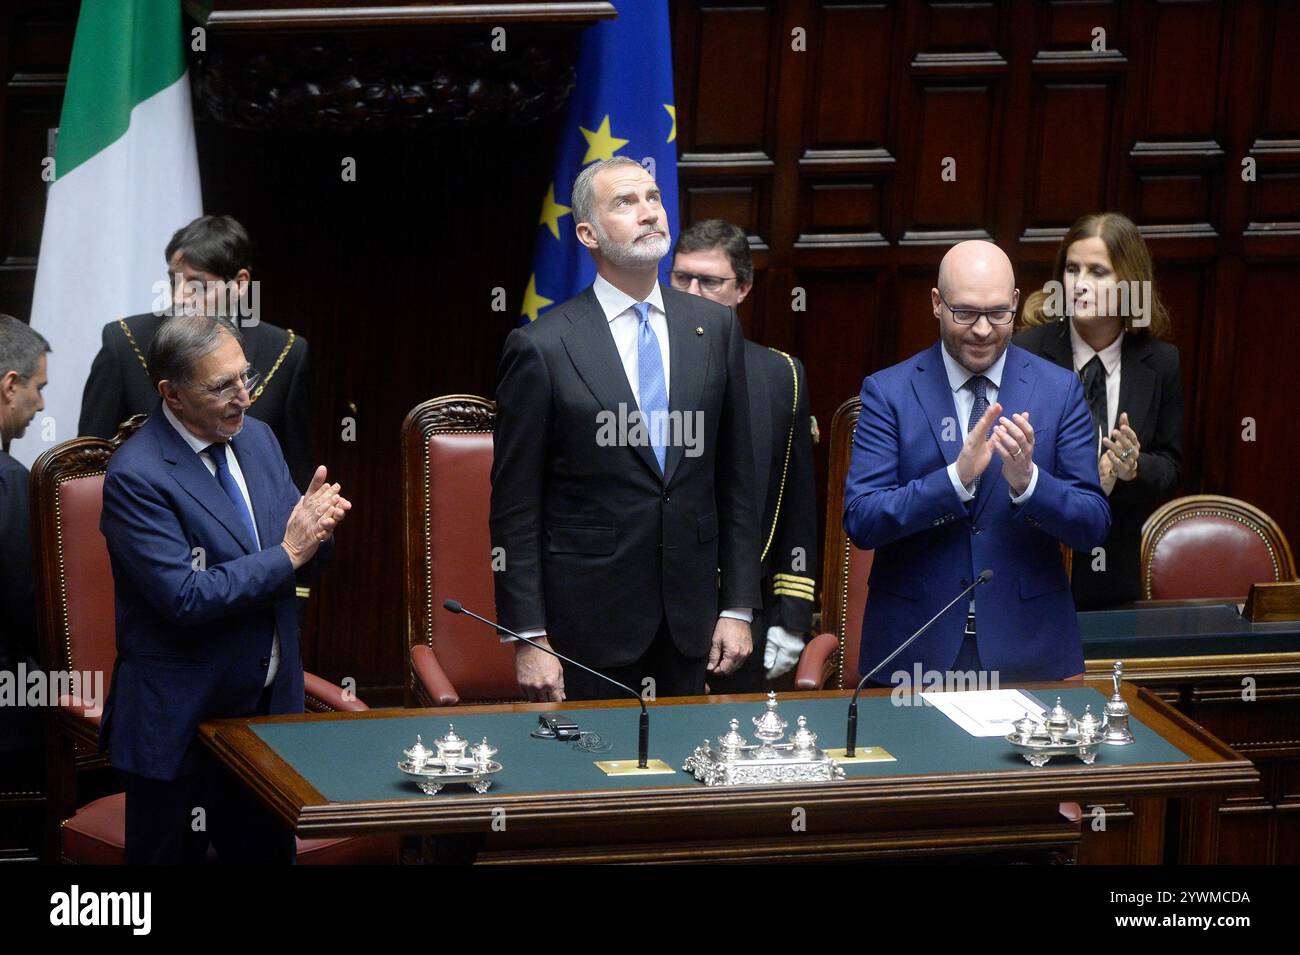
(125, 51)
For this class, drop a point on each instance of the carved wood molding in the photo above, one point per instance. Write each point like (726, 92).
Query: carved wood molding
(383, 79)
(450, 413)
(352, 65)
(350, 14)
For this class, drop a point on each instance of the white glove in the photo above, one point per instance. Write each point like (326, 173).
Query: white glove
(782, 652)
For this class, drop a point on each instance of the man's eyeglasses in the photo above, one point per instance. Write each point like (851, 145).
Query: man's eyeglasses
(969, 316)
(708, 283)
(248, 381)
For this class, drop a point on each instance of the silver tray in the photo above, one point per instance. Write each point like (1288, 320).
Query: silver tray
(1040, 748)
(435, 775)
(755, 765)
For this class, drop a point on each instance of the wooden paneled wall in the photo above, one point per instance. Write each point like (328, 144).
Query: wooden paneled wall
(820, 127)
(823, 128)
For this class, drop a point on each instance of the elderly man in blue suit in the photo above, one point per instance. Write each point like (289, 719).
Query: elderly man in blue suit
(974, 454)
(207, 536)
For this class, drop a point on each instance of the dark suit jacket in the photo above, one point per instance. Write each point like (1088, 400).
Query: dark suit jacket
(119, 386)
(17, 582)
(786, 493)
(19, 726)
(1151, 391)
(194, 644)
(899, 500)
(600, 547)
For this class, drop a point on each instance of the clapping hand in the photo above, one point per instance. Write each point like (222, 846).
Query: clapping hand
(1122, 450)
(1014, 441)
(314, 519)
(1106, 472)
(977, 449)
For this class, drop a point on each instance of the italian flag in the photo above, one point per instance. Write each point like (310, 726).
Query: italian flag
(126, 177)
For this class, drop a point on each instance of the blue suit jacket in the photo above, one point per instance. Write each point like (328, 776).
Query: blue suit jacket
(192, 643)
(898, 500)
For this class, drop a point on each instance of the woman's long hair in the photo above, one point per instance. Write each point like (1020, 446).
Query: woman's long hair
(1129, 257)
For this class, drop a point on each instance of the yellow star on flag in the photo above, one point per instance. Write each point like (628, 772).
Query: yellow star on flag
(533, 303)
(601, 144)
(672, 111)
(552, 212)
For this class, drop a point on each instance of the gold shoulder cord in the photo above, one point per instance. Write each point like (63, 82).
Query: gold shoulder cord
(789, 443)
(126, 330)
(257, 392)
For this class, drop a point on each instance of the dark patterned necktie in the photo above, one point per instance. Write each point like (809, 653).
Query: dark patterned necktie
(977, 385)
(1094, 392)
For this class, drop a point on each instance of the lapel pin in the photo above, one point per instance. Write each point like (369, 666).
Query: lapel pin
(699, 330)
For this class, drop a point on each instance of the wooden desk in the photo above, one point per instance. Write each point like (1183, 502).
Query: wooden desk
(947, 796)
(1239, 680)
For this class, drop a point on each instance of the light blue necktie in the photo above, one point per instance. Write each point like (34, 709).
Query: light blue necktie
(228, 484)
(653, 387)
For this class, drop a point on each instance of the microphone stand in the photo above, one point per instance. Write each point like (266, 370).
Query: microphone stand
(850, 746)
(643, 740)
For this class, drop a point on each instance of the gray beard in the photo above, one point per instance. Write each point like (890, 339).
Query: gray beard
(634, 255)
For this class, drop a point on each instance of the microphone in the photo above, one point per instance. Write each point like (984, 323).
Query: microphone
(643, 741)
(851, 744)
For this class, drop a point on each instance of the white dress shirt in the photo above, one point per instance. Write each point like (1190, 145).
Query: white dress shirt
(232, 462)
(1110, 362)
(963, 401)
(625, 327)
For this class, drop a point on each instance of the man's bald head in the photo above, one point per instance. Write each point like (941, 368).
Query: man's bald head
(975, 277)
(975, 262)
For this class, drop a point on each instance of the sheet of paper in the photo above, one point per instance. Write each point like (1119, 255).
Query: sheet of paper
(986, 712)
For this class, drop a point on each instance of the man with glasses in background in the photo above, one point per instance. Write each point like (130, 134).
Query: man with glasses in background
(971, 455)
(207, 535)
(712, 260)
(208, 263)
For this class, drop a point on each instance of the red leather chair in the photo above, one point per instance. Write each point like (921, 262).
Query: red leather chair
(831, 658)
(74, 584)
(446, 491)
(1211, 546)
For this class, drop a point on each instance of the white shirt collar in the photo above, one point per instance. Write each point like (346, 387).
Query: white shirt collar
(1083, 352)
(614, 302)
(959, 374)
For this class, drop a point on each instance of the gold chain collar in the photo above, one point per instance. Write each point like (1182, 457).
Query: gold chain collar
(261, 385)
(789, 442)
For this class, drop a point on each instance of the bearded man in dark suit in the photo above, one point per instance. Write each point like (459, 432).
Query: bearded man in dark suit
(623, 474)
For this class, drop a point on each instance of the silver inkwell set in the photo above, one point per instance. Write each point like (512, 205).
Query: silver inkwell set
(737, 762)
(449, 764)
(1060, 734)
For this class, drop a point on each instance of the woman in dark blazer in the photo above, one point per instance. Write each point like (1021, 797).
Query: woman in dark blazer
(1100, 315)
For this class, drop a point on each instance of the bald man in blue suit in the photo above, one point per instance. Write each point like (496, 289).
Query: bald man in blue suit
(974, 454)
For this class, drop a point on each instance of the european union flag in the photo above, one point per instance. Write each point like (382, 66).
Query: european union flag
(622, 105)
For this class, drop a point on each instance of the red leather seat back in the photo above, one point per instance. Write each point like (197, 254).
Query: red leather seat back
(447, 449)
(460, 566)
(1209, 546)
(89, 631)
(845, 569)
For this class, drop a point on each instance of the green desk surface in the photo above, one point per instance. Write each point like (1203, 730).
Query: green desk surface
(1204, 630)
(356, 760)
